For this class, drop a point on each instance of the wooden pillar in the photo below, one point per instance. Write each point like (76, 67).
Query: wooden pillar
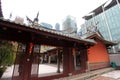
(68, 62)
(35, 58)
(27, 62)
(23, 65)
(74, 56)
(85, 60)
(49, 59)
(58, 60)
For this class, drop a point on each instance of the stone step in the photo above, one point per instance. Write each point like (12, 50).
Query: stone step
(88, 75)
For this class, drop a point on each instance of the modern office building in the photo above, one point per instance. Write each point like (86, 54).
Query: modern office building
(107, 19)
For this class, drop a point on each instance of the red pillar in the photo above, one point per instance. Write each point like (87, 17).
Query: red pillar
(68, 62)
(22, 69)
(84, 60)
(27, 62)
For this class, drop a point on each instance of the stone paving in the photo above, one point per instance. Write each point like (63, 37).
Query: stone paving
(113, 75)
(44, 69)
(90, 75)
(47, 69)
(103, 78)
(8, 73)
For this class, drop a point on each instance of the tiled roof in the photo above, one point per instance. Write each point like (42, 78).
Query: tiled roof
(56, 32)
(98, 35)
(88, 34)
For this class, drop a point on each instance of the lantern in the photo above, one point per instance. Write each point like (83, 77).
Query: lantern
(31, 48)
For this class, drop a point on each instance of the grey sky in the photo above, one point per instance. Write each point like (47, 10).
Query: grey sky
(50, 11)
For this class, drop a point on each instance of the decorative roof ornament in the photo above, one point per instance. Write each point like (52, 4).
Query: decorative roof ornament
(33, 22)
(30, 22)
(92, 27)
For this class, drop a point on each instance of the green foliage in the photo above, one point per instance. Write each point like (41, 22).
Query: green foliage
(7, 55)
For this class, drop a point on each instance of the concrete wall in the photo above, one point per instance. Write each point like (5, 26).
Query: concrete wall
(115, 58)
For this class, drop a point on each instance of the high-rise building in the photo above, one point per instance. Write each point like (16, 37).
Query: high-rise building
(19, 20)
(57, 26)
(46, 25)
(107, 19)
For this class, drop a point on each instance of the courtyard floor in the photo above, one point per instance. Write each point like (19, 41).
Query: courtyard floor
(45, 69)
(113, 75)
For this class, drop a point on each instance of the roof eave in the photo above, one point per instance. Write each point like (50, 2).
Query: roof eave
(48, 32)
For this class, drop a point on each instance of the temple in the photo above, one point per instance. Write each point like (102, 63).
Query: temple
(38, 45)
(98, 55)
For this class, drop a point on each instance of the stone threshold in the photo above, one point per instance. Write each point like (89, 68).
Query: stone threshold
(88, 75)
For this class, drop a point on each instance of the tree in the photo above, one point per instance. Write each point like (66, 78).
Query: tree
(7, 55)
(69, 24)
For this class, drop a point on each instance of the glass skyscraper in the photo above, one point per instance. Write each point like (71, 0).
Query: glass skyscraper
(107, 17)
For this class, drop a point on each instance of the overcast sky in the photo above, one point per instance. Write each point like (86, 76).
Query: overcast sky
(50, 11)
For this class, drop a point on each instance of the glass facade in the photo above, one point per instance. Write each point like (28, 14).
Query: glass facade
(110, 16)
